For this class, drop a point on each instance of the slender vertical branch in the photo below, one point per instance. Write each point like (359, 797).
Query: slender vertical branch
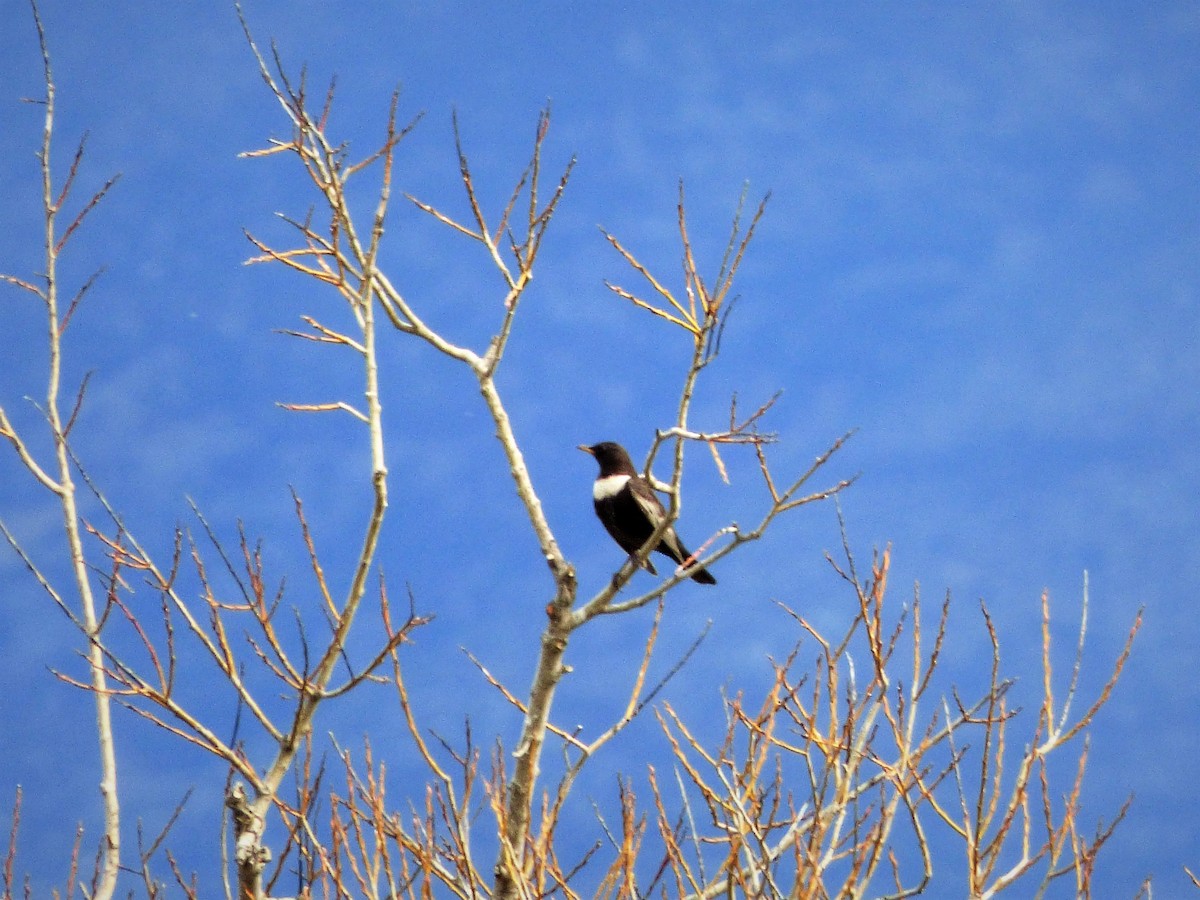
(62, 483)
(357, 259)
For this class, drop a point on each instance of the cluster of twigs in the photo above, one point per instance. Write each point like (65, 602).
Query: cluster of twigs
(803, 795)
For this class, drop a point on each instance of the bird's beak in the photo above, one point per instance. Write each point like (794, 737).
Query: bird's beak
(586, 449)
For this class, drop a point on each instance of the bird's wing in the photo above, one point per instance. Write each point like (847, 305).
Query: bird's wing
(649, 503)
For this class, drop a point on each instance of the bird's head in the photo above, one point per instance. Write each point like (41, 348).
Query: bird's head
(612, 458)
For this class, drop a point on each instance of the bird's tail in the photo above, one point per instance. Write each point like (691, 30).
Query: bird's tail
(700, 576)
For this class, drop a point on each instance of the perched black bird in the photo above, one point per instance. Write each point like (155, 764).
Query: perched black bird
(630, 510)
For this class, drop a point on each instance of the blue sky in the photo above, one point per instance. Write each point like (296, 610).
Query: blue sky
(981, 251)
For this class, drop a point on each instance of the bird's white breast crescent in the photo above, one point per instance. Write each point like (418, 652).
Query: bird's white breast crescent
(609, 486)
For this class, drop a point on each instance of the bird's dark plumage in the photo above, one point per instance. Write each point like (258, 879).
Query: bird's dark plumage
(630, 510)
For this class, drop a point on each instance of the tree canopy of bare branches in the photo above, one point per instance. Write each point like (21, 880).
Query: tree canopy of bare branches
(840, 780)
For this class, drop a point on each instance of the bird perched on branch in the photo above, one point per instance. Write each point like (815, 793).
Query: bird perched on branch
(630, 510)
